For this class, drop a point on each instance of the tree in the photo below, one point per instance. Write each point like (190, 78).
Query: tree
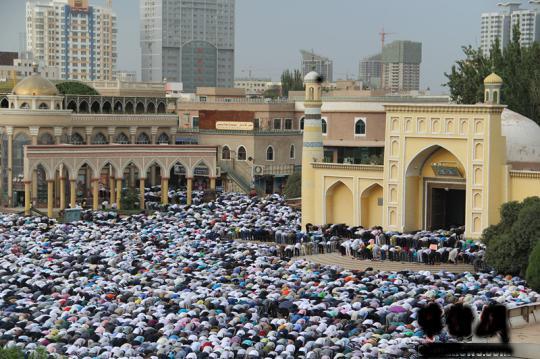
(291, 81)
(533, 270)
(272, 92)
(510, 242)
(517, 65)
(75, 88)
(293, 186)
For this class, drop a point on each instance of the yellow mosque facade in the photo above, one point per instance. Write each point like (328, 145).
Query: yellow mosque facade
(444, 165)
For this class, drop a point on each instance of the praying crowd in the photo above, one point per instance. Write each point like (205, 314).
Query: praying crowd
(174, 284)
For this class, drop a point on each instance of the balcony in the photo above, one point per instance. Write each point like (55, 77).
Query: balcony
(256, 132)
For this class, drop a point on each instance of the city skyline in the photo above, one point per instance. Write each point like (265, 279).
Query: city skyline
(442, 28)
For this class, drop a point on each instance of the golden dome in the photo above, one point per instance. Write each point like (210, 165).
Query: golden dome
(35, 85)
(493, 79)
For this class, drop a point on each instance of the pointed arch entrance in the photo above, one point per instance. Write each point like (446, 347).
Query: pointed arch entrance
(339, 204)
(435, 190)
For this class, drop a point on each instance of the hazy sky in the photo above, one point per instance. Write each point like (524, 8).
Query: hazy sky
(270, 33)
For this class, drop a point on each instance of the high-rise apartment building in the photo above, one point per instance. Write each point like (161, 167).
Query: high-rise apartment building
(320, 64)
(370, 71)
(188, 41)
(401, 66)
(500, 25)
(73, 36)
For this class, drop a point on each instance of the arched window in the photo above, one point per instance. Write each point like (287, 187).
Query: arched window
(46, 139)
(77, 139)
(324, 124)
(43, 106)
(143, 139)
(270, 153)
(311, 93)
(118, 108)
(302, 123)
(25, 106)
(360, 127)
(95, 107)
(83, 107)
(129, 107)
(161, 108)
(292, 152)
(99, 139)
(107, 108)
(241, 155)
(225, 153)
(122, 139)
(163, 138)
(72, 106)
(140, 108)
(4, 103)
(151, 108)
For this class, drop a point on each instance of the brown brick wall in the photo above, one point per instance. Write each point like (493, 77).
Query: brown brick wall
(208, 119)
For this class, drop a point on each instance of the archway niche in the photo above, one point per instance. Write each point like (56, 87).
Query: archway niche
(372, 206)
(339, 204)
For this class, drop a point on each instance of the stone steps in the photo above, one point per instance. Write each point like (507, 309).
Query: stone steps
(351, 263)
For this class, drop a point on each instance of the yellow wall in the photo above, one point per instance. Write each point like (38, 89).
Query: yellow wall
(524, 184)
(371, 211)
(339, 204)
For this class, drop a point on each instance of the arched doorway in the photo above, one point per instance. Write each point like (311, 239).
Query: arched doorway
(372, 206)
(339, 204)
(435, 190)
(130, 191)
(83, 186)
(41, 195)
(201, 177)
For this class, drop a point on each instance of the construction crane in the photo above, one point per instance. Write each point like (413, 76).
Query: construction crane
(383, 35)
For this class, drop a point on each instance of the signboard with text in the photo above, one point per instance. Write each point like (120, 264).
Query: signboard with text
(231, 125)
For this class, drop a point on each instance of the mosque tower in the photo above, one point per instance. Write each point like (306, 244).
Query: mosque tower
(492, 88)
(312, 150)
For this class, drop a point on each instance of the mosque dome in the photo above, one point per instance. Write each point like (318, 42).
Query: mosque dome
(313, 77)
(35, 85)
(522, 136)
(493, 79)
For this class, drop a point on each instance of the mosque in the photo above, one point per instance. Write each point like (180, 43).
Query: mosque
(58, 151)
(444, 165)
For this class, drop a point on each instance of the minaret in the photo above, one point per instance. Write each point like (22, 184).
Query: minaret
(492, 89)
(312, 150)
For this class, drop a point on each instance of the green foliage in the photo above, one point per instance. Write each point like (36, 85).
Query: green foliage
(518, 66)
(273, 92)
(130, 199)
(75, 88)
(533, 270)
(510, 242)
(291, 81)
(293, 186)
(16, 353)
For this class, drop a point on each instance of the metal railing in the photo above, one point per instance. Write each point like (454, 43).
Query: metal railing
(238, 100)
(273, 170)
(239, 173)
(256, 132)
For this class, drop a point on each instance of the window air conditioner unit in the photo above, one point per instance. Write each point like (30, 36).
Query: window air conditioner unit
(258, 170)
